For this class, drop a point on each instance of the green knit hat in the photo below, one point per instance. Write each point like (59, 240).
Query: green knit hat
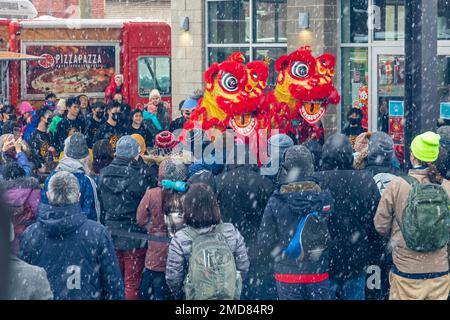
(425, 147)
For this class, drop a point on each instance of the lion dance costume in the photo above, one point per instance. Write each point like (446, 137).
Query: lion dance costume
(234, 96)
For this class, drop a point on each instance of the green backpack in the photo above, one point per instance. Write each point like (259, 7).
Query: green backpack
(424, 226)
(212, 273)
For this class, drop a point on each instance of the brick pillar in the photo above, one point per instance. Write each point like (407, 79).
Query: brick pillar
(322, 36)
(188, 50)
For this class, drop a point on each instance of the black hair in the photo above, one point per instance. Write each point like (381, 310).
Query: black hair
(50, 95)
(136, 111)
(71, 101)
(98, 105)
(358, 112)
(180, 105)
(112, 104)
(42, 112)
(12, 170)
(9, 109)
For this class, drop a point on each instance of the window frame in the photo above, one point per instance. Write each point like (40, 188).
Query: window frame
(251, 45)
(154, 61)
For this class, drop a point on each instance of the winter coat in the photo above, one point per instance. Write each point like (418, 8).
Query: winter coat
(177, 124)
(121, 190)
(77, 254)
(355, 242)
(242, 194)
(390, 210)
(180, 251)
(148, 171)
(27, 282)
(87, 199)
(150, 215)
(22, 196)
(162, 114)
(280, 222)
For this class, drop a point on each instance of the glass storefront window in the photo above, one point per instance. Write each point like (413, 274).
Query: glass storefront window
(355, 79)
(444, 20)
(228, 21)
(271, 20)
(354, 21)
(444, 87)
(154, 73)
(392, 20)
(221, 54)
(274, 54)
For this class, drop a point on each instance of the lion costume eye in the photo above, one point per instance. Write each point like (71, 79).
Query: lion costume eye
(229, 82)
(300, 70)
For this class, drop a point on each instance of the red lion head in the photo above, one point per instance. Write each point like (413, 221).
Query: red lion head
(308, 82)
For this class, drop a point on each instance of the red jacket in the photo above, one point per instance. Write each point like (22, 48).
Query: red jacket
(149, 215)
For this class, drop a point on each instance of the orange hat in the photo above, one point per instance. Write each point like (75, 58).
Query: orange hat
(141, 141)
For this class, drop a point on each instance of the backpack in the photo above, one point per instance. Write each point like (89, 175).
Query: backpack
(382, 180)
(424, 226)
(311, 238)
(212, 273)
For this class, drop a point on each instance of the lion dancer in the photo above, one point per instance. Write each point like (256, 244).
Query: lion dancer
(303, 91)
(232, 100)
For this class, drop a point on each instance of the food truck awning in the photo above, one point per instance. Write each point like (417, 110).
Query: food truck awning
(15, 56)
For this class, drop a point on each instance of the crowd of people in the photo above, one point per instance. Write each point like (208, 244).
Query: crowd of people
(106, 203)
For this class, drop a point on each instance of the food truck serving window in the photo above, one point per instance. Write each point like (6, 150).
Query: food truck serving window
(154, 73)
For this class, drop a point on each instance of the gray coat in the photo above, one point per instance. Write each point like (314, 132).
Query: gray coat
(28, 282)
(180, 252)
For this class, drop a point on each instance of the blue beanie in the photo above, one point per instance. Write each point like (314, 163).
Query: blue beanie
(279, 143)
(189, 104)
(127, 147)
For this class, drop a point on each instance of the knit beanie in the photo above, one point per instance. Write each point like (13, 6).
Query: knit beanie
(297, 162)
(189, 104)
(425, 147)
(381, 149)
(165, 141)
(25, 107)
(141, 141)
(127, 147)
(75, 146)
(279, 143)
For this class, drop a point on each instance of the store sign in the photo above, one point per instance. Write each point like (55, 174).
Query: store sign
(397, 130)
(396, 108)
(445, 110)
(69, 69)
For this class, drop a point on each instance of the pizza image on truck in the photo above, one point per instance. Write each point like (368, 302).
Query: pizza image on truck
(80, 56)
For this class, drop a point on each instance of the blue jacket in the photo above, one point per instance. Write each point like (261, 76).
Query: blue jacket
(31, 127)
(87, 201)
(77, 254)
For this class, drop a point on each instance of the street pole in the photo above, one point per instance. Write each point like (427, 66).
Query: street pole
(421, 87)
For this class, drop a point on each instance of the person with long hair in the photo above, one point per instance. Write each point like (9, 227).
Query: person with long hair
(159, 205)
(202, 218)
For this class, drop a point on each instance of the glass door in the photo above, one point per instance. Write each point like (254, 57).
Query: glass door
(444, 85)
(388, 92)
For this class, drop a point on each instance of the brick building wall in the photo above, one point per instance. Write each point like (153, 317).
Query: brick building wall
(188, 49)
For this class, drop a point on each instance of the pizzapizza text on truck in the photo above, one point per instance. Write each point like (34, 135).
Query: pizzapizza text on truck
(80, 56)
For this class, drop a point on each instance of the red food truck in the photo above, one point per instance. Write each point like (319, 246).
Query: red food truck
(81, 56)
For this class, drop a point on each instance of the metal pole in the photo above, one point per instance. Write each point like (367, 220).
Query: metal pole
(421, 94)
